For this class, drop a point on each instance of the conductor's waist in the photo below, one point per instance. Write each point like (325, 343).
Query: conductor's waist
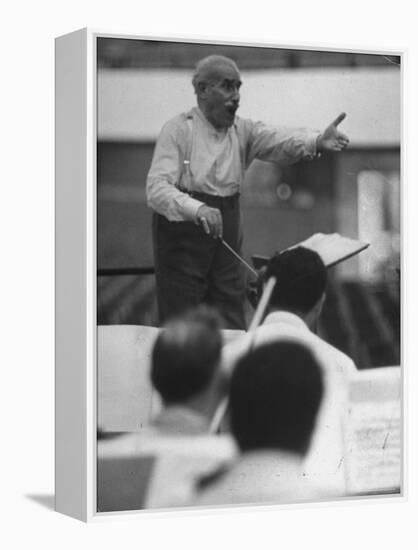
(216, 201)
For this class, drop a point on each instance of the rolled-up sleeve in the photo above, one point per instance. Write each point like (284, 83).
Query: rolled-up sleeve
(280, 145)
(162, 192)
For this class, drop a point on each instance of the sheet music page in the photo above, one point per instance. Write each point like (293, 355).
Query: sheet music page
(373, 432)
(333, 247)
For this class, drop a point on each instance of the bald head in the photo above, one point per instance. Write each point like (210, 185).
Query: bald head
(216, 83)
(211, 68)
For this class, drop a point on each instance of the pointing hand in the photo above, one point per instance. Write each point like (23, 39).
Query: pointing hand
(332, 139)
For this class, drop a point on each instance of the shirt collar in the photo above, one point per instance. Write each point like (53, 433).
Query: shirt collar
(176, 419)
(267, 465)
(287, 318)
(199, 113)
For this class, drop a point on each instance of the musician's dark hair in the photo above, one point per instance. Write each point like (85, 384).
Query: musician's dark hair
(301, 279)
(186, 355)
(275, 394)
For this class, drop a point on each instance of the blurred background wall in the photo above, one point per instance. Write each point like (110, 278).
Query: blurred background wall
(142, 84)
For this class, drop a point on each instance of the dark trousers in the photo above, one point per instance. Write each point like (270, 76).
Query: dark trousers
(193, 268)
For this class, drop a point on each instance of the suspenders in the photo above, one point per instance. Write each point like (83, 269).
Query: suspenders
(189, 122)
(185, 180)
(186, 177)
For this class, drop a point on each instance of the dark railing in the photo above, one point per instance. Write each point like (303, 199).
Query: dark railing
(126, 295)
(113, 271)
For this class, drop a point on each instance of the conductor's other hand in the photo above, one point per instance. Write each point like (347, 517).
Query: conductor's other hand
(211, 220)
(332, 139)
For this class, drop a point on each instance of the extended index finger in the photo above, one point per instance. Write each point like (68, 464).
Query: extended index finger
(339, 119)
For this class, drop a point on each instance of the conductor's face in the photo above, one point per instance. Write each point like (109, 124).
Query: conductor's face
(219, 98)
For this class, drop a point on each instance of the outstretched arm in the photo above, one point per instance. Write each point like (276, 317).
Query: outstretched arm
(332, 139)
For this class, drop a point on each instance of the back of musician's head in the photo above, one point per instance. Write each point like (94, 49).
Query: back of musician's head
(186, 355)
(301, 279)
(275, 394)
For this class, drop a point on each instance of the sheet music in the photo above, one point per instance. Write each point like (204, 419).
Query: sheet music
(373, 432)
(333, 248)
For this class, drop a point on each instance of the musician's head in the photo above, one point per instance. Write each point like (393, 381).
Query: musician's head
(275, 394)
(185, 361)
(301, 283)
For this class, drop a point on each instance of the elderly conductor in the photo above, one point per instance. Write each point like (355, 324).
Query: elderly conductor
(194, 183)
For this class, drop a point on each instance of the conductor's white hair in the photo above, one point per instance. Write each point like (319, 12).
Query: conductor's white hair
(205, 66)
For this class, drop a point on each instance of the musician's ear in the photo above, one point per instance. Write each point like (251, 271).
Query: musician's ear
(261, 273)
(319, 305)
(261, 280)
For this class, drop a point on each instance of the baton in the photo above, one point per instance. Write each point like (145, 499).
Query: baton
(222, 408)
(253, 271)
(203, 221)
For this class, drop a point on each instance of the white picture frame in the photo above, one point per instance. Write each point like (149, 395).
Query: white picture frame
(76, 267)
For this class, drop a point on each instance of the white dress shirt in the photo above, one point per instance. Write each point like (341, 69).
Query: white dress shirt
(191, 155)
(325, 460)
(171, 456)
(264, 476)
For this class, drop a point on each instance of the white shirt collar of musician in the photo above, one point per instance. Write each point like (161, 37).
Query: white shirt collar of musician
(287, 318)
